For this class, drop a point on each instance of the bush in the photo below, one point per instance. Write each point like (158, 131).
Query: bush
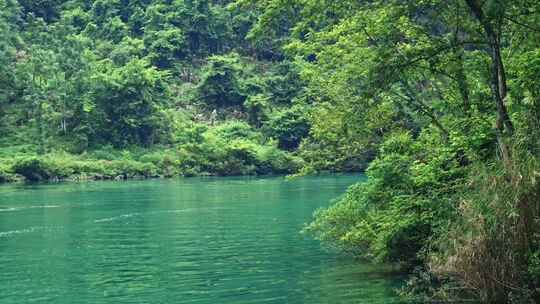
(231, 148)
(271, 160)
(5, 174)
(392, 216)
(237, 157)
(37, 169)
(289, 127)
(232, 130)
(106, 152)
(220, 84)
(130, 169)
(91, 168)
(166, 163)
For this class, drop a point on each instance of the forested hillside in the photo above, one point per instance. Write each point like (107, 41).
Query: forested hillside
(440, 98)
(119, 89)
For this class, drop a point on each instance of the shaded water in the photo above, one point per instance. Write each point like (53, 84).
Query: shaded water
(199, 240)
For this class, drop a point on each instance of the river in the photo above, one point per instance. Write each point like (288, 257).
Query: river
(193, 240)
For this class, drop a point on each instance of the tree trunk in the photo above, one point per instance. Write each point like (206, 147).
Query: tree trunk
(39, 121)
(462, 83)
(461, 78)
(505, 128)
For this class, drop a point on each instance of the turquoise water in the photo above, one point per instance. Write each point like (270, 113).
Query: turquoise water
(197, 240)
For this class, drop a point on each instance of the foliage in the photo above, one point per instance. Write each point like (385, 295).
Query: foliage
(374, 69)
(5, 174)
(129, 99)
(78, 75)
(407, 197)
(231, 148)
(289, 127)
(437, 100)
(35, 169)
(219, 85)
(500, 217)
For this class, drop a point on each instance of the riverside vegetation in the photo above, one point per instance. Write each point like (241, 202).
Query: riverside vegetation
(437, 100)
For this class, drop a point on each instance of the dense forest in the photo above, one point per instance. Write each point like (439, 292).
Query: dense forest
(121, 89)
(437, 101)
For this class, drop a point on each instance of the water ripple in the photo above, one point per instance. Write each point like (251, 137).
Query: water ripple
(129, 215)
(190, 241)
(10, 209)
(4, 234)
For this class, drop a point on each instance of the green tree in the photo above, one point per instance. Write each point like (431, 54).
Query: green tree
(289, 127)
(165, 46)
(128, 100)
(219, 85)
(421, 66)
(46, 9)
(8, 57)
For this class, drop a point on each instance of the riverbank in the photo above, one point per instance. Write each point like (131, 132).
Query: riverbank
(239, 158)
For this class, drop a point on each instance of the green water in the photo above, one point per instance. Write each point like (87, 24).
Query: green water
(213, 240)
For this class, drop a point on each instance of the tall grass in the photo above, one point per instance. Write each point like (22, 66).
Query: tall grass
(493, 247)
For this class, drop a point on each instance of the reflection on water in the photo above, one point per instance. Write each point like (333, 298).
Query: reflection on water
(207, 240)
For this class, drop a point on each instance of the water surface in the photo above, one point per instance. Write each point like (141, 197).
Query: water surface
(197, 240)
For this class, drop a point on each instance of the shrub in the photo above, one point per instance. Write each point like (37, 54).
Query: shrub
(271, 160)
(89, 168)
(130, 168)
(38, 169)
(238, 157)
(391, 216)
(5, 174)
(106, 152)
(232, 130)
(289, 127)
(220, 85)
